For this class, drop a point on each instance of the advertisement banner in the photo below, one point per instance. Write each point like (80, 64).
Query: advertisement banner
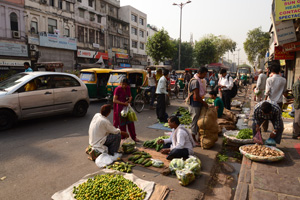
(283, 55)
(56, 41)
(295, 46)
(91, 54)
(123, 56)
(287, 9)
(13, 49)
(104, 55)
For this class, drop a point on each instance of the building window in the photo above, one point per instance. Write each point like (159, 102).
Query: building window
(141, 33)
(80, 35)
(90, 3)
(142, 46)
(92, 17)
(134, 44)
(34, 27)
(68, 6)
(14, 22)
(102, 43)
(111, 41)
(81, 13)
(142, 21)
(79, 1)
(60, 4)
(111, 9)
(67, 32)
(92, 36)
(133, 18)
(52, 24)
(51, 3)
(99, 18)
(133, 31)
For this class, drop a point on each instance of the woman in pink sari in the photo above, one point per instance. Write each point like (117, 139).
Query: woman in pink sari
(122, 97)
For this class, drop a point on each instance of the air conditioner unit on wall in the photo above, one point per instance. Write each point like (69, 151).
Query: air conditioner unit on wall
(33, 47)
(15, 34)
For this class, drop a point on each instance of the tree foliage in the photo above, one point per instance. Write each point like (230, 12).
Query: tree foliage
(205, 51)
(186, 59)
(256, 44)
(159, 47)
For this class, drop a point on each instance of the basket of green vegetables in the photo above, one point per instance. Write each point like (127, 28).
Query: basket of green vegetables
(243, 136)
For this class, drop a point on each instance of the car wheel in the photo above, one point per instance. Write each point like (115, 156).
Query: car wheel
(80, 109)
(7, 119)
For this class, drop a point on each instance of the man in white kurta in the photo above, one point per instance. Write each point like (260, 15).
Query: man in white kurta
(180, 144)
(103, 136)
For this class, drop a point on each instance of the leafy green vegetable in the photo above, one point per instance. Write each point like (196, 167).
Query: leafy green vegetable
(245, 134)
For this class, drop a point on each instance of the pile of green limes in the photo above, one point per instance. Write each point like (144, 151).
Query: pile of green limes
(108, 186)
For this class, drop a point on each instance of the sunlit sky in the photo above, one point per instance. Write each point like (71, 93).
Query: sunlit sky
(232, 18)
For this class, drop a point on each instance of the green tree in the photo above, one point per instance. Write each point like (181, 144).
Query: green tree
(159, 47)
(256, 44)
(205, 51)
(186, 60)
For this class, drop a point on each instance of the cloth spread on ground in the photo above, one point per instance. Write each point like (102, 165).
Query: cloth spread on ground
(67, 194)
(159, 126)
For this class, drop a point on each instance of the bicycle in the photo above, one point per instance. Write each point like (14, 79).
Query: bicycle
(242, 89)
(141, 99)
(185, 91)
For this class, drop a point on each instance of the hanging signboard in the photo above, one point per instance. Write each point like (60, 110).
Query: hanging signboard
(283, 55)
(287, 9)
(285, 32)
(295, 46)
(56, 41)
(91, 54)
(123, 56)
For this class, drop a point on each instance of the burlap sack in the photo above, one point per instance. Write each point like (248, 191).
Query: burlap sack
(208, 127)
(230, 116)
(224, 123)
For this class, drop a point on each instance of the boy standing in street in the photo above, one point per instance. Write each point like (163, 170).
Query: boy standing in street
(218, 103)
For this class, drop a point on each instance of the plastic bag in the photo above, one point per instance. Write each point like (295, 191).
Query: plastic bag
(124, 111)
(105, 159)
(157, 163)
(194, 164)
(185, 176)
(270, 142)
(176, 164)
(128, 145)
(131, 116)
(257, 138)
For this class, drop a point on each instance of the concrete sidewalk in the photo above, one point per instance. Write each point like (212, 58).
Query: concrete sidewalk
(274, 181)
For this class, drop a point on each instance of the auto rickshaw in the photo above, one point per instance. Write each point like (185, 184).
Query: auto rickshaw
(180, 74)
(194, 70)
(136, 79)
(96, 80)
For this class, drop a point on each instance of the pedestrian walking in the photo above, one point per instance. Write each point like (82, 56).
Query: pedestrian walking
(196, 90)
(275, 85)
(265, 111)
(161, 92)
(260, 86)
(151, 78)
(226, 84)
(27, 67)
(122, 98)
(296, 123)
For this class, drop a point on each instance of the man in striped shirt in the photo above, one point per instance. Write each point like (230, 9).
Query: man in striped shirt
(265, 111)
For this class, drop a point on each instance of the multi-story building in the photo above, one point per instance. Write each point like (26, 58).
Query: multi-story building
(90, 32)
(50, 27)
(13, 47)
(117, 33)
(138, 34)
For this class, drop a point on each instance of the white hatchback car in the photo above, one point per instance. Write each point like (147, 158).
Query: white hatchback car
(36, 94)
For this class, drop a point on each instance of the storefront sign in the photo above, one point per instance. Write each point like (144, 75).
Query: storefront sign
(91, 54)
(287, 9)
(295, 46)
(124, 65)
(33, 40)
(285, 32)
(4, 62)
(123, 56)
(283, 55)
(56, 41)
(96, 45)
(13, 49)
(119, 50)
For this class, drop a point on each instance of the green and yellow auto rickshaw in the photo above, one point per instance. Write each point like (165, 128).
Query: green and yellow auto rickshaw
(180, 75)
(96, 80)
(136, 79)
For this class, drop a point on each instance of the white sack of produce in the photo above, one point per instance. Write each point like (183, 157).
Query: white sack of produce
(185, 176)
(208, 127)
